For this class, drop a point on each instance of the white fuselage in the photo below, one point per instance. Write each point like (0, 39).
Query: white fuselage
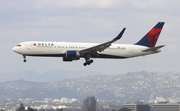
(58, 49)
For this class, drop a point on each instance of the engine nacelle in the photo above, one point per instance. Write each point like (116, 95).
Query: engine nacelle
(71, 55)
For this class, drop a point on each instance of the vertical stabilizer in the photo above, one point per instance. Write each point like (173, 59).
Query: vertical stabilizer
(152, 36)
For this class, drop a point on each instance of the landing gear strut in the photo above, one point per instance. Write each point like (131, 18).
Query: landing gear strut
(88, 62)
(24, 58)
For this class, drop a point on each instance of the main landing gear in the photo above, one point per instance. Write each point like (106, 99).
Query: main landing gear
(24, 58)
(88, 62)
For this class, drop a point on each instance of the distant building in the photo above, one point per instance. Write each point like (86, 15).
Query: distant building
(160, 100)
(137, 107)
(166, 107)
(89, 104)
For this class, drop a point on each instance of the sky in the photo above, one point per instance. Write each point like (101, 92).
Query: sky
(89, 21)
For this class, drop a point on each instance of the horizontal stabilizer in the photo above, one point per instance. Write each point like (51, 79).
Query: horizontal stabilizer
(153, 48)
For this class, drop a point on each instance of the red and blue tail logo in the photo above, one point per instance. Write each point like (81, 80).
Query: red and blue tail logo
(152, 36)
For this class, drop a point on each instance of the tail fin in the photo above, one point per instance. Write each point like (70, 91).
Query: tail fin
(152, 36)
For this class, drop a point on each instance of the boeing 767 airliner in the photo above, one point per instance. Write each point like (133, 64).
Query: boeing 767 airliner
(70, 51)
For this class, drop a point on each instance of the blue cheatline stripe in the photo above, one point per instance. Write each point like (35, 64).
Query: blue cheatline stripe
(46, 55)
(61, 55)
(110, 56)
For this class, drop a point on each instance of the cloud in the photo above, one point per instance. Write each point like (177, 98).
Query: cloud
(88, 21)
(74, 3)
(148, 4)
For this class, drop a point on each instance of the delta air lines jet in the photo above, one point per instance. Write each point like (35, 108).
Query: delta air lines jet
(70, 51)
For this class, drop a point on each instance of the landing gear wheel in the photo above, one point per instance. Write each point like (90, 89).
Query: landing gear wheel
(91, 61)
(24, 58)
(85, 64)
(88, 62)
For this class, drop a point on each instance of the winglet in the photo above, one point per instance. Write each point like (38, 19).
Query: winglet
(120, 35)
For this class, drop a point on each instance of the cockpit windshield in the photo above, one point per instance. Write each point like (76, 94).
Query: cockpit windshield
(19, 45)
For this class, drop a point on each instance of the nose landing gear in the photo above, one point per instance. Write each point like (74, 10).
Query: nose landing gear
(24, 58)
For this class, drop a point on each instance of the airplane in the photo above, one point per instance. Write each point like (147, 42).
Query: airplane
(70, 51)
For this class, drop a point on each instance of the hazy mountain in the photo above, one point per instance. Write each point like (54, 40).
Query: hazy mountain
(49, 76)
(130, 86)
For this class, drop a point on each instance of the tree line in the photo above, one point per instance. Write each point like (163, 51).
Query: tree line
(22, 108)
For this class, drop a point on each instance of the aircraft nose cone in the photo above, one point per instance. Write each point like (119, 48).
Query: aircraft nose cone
(15, 49)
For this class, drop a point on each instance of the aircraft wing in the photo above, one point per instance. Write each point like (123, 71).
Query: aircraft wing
(101, 47)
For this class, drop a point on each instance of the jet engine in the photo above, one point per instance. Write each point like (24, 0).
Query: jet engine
(71, 55)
